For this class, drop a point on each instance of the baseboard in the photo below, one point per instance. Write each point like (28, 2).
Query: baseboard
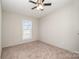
(17, 43)
(76, 52)
(51, 44)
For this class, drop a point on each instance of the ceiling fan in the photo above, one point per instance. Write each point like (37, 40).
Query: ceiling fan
(40, 4)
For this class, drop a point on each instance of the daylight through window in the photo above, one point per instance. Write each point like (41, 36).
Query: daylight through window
(27, 29)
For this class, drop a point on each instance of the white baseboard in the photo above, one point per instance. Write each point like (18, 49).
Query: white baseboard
(76, 52)
(17, 43)
(50, 43)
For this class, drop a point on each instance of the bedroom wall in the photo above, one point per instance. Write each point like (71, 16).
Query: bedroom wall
(61, 28)
(12, 29)
(0, 28)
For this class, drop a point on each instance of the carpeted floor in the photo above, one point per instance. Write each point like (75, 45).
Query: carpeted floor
(37, 50)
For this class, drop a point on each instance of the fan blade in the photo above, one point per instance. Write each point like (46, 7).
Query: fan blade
(32, 2)
(34, 7)
(47, 4)
(42, 0)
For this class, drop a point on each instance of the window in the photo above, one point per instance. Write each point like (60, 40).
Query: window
(27, 29)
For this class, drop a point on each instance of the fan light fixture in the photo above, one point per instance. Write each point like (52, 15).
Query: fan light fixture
(40, 7)
(40, 4)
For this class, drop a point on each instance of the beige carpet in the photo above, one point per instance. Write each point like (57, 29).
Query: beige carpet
(37, 50)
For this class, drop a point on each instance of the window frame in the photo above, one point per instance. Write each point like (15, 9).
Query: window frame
(31, 34)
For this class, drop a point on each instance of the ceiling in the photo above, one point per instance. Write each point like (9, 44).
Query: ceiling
(24, 7)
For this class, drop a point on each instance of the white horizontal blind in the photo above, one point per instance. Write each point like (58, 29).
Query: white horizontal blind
(27, 29)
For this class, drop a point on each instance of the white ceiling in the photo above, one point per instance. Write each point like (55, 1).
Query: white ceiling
(24, 7)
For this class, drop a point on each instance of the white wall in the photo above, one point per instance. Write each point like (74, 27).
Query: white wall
(0, 28)
(12, 29)
(61, 28)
